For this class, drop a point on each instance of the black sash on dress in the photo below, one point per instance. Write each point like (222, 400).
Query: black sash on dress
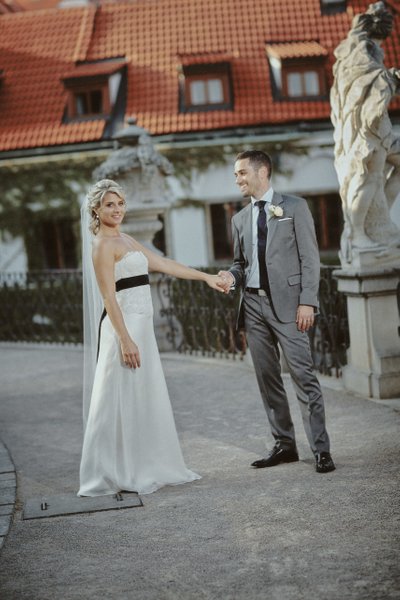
(123, 284)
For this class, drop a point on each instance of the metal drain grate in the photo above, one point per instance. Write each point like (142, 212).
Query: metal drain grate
(62, 506)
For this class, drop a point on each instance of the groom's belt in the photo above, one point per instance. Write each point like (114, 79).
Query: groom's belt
(258, 291)
(123, 284)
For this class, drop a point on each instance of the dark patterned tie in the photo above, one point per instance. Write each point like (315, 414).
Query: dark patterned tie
(262, 243)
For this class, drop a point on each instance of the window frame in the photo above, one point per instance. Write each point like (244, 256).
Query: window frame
(58, 242)
(87, 88)
(332, 7)
(103, 80)
(300, 66)
(301, 69)
(206, 72)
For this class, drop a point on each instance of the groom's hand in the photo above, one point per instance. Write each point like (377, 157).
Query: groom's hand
(305, 317)
(215, 282)
(228, 281)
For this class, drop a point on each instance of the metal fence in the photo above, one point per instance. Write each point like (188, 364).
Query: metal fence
(203, 322)
(41, 306)
(200, 320)
(46, 306)
(330, 336)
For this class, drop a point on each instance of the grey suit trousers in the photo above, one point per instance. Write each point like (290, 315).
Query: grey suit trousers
(264, 331)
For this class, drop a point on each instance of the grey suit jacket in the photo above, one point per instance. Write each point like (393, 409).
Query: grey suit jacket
(292, 256)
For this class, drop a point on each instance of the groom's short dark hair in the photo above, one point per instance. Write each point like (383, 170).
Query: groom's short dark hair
(257, 159)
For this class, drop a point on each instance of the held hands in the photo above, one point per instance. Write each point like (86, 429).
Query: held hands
(228, 281)
(130, 353)
(215, 282)
(305, 317)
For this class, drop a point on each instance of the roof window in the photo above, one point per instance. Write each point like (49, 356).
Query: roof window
(298, 70)
(331, 7)
(205, 86)
(93, 89)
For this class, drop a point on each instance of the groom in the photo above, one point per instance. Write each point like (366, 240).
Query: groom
(276, 264)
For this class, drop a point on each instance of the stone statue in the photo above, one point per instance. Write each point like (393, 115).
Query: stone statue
(142, 171)
(138, 156)
(367, 154)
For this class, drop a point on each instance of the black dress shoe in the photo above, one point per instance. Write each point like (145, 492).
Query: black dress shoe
(277, 456)
(325, 463)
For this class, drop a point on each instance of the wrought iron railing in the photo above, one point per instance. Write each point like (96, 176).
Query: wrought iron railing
(203, 322)
(41, 306)
(200, 320)
(46, 306)
(330, 335)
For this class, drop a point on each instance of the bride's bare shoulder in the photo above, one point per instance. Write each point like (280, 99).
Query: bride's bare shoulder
(129, 240)
(104, 246)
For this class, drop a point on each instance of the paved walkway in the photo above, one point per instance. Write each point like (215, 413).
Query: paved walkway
(285, 533)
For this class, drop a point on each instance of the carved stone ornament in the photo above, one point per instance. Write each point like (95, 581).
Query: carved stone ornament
(142, 172)
(367, 154)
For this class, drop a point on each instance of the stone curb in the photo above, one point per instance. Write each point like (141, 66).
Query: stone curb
(8, 486)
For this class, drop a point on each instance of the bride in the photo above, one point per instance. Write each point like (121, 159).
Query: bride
(130, 441)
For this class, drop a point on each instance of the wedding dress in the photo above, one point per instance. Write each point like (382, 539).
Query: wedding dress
(130, 440)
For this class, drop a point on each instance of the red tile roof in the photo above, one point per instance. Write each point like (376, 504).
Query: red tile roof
(94, 69)
(296, 50)
(38, 48)
(202, 58)
(38, 4)
(9, 6)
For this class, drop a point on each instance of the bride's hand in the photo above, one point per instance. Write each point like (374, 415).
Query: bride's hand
(130, 353)
(215, 282)
(228, 280)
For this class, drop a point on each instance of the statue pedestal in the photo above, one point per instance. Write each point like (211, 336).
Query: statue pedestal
(373, 368)
(143, 224)
(372, 259)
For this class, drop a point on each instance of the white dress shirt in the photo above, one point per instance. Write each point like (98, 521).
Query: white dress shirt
(254, 277)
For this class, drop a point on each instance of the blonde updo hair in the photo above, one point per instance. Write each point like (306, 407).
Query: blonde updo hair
(95, 197)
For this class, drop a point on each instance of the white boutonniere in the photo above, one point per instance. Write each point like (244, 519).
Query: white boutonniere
(275, 211)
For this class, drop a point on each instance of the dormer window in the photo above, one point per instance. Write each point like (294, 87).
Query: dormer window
(302, 81)
(90, 102)
(331, 7)
(93, 89)
(298, 70)
(205, 86)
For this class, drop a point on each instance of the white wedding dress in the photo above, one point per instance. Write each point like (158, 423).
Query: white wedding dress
(130, 440)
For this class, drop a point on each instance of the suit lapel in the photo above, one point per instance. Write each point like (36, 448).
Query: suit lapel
(273, 221)
(247, 232)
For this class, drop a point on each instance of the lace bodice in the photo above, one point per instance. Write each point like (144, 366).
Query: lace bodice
(137, 299)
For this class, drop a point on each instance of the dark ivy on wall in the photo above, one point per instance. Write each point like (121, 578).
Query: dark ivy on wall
(40, 202)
